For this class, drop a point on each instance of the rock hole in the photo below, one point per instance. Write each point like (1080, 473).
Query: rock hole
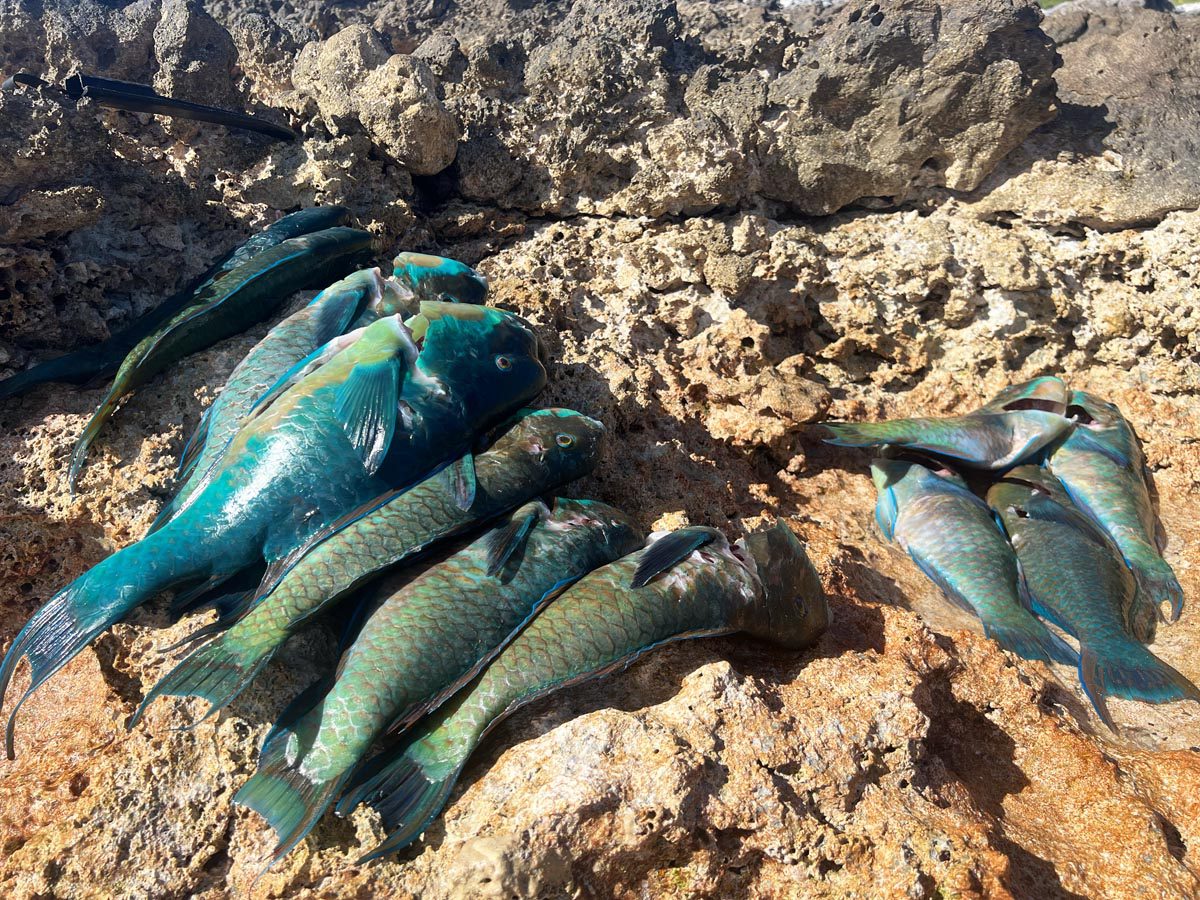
(825, 866)
(933, 164)
(855, 16)
(78, 784)
(747, 342)
(1175, 843)
(877, 19)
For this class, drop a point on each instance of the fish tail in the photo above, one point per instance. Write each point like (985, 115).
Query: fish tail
(80, 451)
(408, 793)
(861, 434)
(1030, 639)
(1156, 586)
(281, 792)
(216, 671)
(73, 367)
(1128, 670)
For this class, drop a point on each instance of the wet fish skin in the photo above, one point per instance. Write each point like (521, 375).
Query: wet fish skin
(540, 452)
(318, 449)
(1047, 393)
(439, 278)
(1102, 468)
(228, 305)
(105, 357)
(596, 626)
(428, 636)
(953, 538)
(1074, 576)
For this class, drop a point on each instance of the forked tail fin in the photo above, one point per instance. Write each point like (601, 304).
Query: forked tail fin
(1128, 670)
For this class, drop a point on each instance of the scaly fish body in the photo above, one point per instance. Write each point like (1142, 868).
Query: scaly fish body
(428, 636)
(104, 358)
(1011, 428)
(318, 448)
(439, 278)
(1074, 576)
(543, 450)
(703, 587)
(1101, 466)
(229, 304)
(951, 535)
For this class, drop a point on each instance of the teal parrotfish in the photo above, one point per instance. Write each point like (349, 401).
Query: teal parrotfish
(1073, 575)
(380, 408)
(1010, 429)
(230, 303)
(953, 538)
(428, 636)
(690, 583)
(439, 278)
(537, 453)
(1102, 468)
(105, 357)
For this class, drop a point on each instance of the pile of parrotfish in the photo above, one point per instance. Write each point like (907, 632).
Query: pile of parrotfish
(1036, 505)
(382, 430)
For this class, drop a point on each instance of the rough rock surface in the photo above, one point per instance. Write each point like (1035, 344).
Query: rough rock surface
(709, 326)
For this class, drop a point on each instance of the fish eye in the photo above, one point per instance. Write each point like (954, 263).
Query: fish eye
(564, 440)
(504, 363)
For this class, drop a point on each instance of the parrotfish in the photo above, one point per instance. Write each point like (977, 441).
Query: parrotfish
(439, 278)
(951, 535)
(368, 414)
(690, 583)
(540, 452)
(429, 635)
(104, 358)
(1101, 466)
(329, 314)
(231, 303)
(1073, 575)
(1009, 430)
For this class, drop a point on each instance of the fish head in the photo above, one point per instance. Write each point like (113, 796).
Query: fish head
(490, 361)
(792, 609)
(429, 277)
(1046, 393)
(550, 447)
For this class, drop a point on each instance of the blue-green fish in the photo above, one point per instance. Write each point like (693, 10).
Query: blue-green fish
(438, 278)
(687, 584)
(101, 359)
(366, 415)
(541, 451)
(229, 304)
(1011, 429)
(430, 634)
(951, 535)
(1101, 466)
(1073, 575)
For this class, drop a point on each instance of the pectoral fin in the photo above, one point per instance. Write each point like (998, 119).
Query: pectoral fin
(668, 551)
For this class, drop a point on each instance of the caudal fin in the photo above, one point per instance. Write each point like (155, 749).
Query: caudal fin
(1030, 639)
(51, 639)
(407, 794)
(1157, 587)
(217, 671)
(1130, 671)
(860, 434)
(79, 453)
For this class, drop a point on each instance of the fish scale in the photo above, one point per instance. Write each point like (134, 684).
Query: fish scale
(526, 460)
(422, 641)
(768, 589)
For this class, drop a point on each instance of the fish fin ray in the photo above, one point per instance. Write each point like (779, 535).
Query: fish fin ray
(668, 551)
(506, 540)
(366, 408)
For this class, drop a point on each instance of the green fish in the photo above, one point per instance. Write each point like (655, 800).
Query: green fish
(953, 538)
(104, 358)
(1073, 575)
(430, 634)
(1010, 429)
(366, 415)
(439, 278)
(541, 451)
(229, 304)
(1101, 466)
(687, 584)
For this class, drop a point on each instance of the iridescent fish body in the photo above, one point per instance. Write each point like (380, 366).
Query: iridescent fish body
(430, 634)
(229, 304)
(951, 535)
(1011, 429)
(690, 583)
(540, 452)
(1073, 575)
(1101, 466)
(365, 415)
(104, 358)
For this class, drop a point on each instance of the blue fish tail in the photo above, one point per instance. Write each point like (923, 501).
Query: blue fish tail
(1156, 586)
(290, 801)
(1031, 640)
(211, 672)
(1128, 670)
(407, 796)
(862, 434)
